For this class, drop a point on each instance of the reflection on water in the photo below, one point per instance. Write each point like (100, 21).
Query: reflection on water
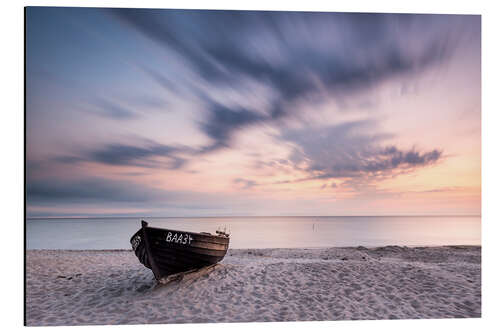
(264, 232)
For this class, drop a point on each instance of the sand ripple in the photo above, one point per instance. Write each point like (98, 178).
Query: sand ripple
(112, 287)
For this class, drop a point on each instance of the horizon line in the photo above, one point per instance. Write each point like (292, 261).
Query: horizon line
(241, 216)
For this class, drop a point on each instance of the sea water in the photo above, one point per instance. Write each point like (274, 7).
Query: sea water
(263, 232)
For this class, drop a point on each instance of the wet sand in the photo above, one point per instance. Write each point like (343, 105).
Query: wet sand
(112, 287)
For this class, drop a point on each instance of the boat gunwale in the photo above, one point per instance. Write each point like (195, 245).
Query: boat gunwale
(187, 232)
(190, 232)
(173, 245)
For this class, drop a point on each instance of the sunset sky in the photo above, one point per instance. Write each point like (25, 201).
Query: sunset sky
(207, 113)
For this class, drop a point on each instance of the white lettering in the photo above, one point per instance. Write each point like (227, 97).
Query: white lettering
(135, 242)
(179, 238)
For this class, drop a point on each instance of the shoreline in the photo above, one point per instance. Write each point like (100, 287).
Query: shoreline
(369, 247)
(91, 287)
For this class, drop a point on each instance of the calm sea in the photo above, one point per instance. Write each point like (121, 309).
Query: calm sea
(264, 232)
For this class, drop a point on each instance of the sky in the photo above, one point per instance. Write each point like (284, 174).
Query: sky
(156, 112)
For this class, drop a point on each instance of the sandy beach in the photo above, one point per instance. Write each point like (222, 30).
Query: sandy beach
(112, 287)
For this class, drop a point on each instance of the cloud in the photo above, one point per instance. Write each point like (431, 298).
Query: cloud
(246, 183)
(353, 152)
(146, 156)
(222, 122)
(295, 54)
(90, 190)
(396, 157)
(348, 150)
(104, 192)
(106, 108)
(119, 154)
(164, 81)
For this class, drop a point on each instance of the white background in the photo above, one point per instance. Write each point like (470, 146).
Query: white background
(12, 161)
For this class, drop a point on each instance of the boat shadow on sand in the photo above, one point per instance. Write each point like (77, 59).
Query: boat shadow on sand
(177, 281)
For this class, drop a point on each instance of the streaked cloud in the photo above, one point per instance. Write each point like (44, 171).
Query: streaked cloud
(110, 109)
(348, 150)
(295, 107)
(273, 48)
(90, 190)
(246, 183)
(130, 155)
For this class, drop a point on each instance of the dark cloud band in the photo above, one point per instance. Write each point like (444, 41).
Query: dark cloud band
(348, 151)
(295, 54)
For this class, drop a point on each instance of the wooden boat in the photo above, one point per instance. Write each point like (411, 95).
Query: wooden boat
(171, 253)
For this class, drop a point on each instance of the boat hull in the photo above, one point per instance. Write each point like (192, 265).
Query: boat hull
(167, 252)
